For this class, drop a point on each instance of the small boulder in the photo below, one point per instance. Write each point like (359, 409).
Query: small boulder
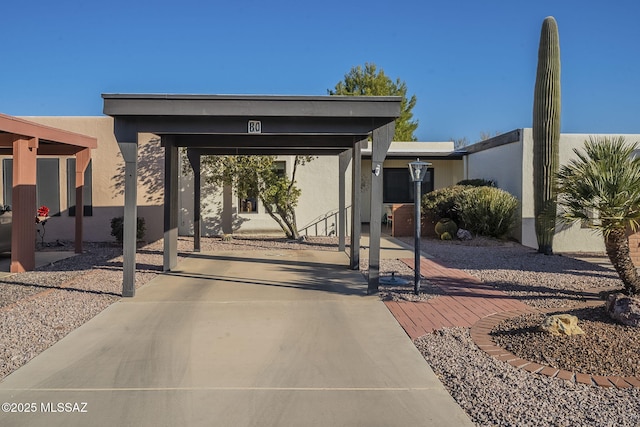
(463, 234)
(561, 324)
(624, 309)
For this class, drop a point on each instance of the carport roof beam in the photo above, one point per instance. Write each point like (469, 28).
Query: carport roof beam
(251, 124)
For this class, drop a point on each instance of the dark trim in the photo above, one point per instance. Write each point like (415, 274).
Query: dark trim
(387, 107)
(451, 156)
(496, 141)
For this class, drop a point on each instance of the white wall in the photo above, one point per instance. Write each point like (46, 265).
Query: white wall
(502, 164)
(320, 195)
(575, 238)
(317, 179)
(511, 165)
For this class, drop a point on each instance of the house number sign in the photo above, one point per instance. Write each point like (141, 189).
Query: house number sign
(255, 126)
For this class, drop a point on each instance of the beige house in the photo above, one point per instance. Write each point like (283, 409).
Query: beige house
(506, 159)
(104, 193)
(318, 206)
(221, 210)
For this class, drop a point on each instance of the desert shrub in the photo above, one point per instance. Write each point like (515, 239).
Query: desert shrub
(441, 203)
(117, 228)
(446, 236)
(478, 182)
(488, 211)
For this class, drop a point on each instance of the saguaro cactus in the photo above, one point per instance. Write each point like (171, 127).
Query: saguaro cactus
(546, 134)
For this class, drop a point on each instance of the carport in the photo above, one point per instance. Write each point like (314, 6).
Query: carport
(252, 125)
(25, 140)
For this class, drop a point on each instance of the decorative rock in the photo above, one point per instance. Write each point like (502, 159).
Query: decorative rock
(463, 234)
(624, 309)
(561, 324)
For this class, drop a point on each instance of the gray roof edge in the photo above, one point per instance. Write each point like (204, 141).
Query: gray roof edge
(503, 139)
(169, 96)
(123, 105)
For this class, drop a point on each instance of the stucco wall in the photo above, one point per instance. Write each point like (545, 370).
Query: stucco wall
(107, 176)
(576, 238)
(320, 183)
(568, 238)
(511, 165)
(502, 164)
(317, 179)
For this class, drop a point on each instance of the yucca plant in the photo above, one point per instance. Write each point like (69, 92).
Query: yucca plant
(602, 188)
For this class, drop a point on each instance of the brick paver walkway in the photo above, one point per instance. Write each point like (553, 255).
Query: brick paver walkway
(468, 302)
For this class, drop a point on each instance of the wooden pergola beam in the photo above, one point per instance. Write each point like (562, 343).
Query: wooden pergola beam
(25, 140)
(25, 128)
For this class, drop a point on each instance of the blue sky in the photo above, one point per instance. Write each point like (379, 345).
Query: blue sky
(471, 63)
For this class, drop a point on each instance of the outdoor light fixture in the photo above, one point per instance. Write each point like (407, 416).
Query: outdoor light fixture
(376, 171)
(417, 171)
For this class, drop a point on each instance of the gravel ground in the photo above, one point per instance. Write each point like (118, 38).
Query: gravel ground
(39, 308)
(597, 352)
(494, 393)
(538, 280)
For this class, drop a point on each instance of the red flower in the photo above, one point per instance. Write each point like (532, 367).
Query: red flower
(43, 211)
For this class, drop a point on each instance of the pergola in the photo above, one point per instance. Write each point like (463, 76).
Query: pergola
(25, 140)
(252, 125)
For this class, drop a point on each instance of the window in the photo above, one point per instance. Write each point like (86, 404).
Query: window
(280, 169)
(87, 192)
(47, 184)
(250, 204)
(397, 186)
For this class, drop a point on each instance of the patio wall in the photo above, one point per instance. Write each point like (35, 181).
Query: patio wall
(511, 165)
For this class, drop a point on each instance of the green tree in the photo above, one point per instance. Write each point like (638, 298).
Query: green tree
(602, 188)
(257, 176)
(368, 81)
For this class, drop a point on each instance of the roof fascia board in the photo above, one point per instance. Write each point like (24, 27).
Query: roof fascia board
(496, 141)
(384, 108)
(25, 128)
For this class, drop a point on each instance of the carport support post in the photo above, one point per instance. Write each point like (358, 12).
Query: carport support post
(194, 161)
(129, 152)
(170, 203)
(381, 141)
(23, 255)
(83, 158)
(356, 222)
(343, 163)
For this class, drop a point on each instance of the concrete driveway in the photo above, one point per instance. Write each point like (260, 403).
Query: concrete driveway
(256, 338)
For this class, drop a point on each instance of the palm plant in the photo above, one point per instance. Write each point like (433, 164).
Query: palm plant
(602, 187)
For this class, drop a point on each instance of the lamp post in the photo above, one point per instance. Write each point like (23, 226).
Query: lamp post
(417, 170)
